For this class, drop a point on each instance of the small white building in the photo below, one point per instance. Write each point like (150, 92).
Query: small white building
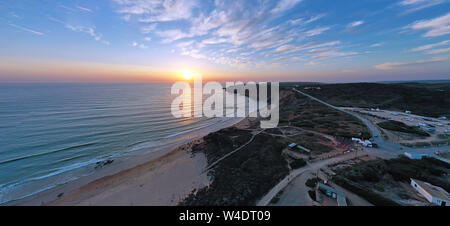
(333, 193)
(365, 143)
(433, 194)
(408, 112)
(415, 156)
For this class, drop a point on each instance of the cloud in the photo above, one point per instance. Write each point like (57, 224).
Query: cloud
(395, 65)
(173, 35)
(148, 28)
(430, 46)
(26, 29)
(13, 14)
(236, 33)
(316, 31)
(332, 53)
(158, 10)
(293, 48)
(84, 29)
(436, 27)
(438, 51)
(84, 9)
(90, 31)
(356, 23)
(303, 21)
(136, 44)
(76, 9)
(284, 5)
(417, 5)
(377, 44)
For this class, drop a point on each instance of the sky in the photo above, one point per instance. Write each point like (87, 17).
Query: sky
(224, 40)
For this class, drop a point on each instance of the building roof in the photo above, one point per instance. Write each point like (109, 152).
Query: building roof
(434, 191)
(340, 195)
(303, 148)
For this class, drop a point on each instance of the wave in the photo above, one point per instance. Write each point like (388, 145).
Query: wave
(5, 190)
(46, 153)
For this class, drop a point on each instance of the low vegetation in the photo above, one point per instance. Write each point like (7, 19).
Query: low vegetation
(312, 182)
(428, 99)
(244, 177)
(312, 195)
(372, 179)
(366, 193)
(297, 163)
(300, 111)
(402, 127)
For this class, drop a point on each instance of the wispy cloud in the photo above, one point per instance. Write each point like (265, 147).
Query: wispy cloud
(84, 9)
(316, 31)
(173, 35)
(395, 65)
(142, 46)
(436, 27)
(158, 10)
(356, 24)
(26, 29)
(84, 29)
(438, 51)
(430, 46)
(412, 6)
(236, 33)
(13, 14)
(90, 31)
(284, 5)
(377, 44)
(293, 48)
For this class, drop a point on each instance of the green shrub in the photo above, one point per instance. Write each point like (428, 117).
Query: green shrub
(312, 194)
(298, 163)
(368, 195)
(312, 182)
(402, 127)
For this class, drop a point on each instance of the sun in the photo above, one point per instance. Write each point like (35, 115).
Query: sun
(187, 74)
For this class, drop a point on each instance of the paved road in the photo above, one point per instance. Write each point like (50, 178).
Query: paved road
(296, 193)
(387, 148)
(313, 167)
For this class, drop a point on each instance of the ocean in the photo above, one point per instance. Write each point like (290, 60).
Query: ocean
(51, 134)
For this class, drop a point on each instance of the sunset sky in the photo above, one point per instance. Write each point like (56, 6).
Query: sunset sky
(285, 40)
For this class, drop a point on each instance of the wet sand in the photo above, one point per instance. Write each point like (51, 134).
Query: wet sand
(162, 181)
(160, 178)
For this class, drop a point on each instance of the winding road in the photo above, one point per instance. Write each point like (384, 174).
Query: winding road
(313, 167)
(385, 147)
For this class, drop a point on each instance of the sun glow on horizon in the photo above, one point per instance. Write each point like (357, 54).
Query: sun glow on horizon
(187, 74)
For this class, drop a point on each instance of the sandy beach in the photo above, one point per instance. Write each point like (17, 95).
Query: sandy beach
(160, 178)
(162, 181)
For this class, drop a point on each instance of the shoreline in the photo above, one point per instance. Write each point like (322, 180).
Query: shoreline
(158, 177)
